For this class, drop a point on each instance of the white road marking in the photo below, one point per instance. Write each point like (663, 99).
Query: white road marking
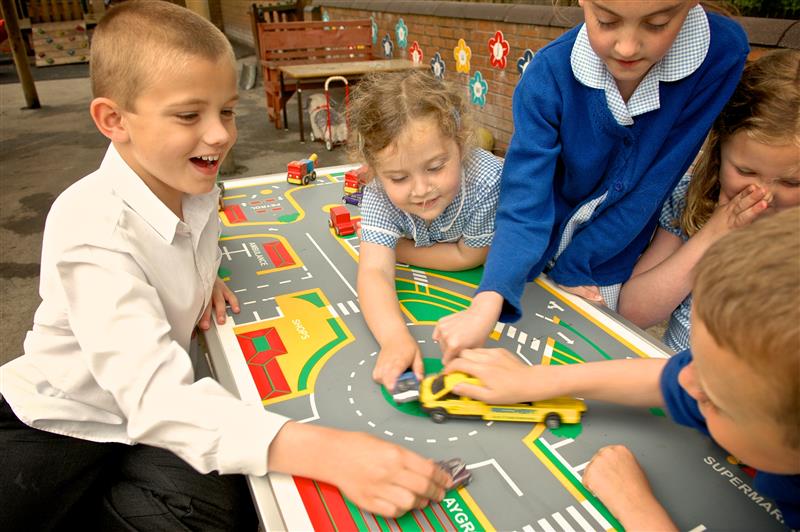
(371, 424)
(498, 327)
(452, 438)
(520, 355)
(388, 433)
(529, 528)
(240, 290)
(314, 413)
(584, 524)
(262, 286)
(430, 440)
(358, 413)
(511, 331)
(343, 309)
(698, 528)
(562, 443)
(245, 249)
(535, 344)
(544, 318)
(545, 525)
(249, 302)
(353, 306)
(408, 438)
(332, 265)
(332, 311)
(570, 342)
(256, 316)
(473, 433)
(351, 400)
(581, 467)
(605, 525)
(286, 281)
(562, 522)
(500, 470)
(362, 362)
(373, 353)
(523, 337)
(553, 305)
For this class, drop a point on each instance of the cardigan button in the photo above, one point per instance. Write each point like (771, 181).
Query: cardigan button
(618, 186)
(627, 141)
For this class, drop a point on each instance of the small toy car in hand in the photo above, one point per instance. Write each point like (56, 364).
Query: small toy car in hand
(406, 389)
(458, 471)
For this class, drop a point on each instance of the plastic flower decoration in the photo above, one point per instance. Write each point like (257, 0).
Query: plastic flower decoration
(478, 88)
(388, 46)
(401, 31)
(462, 55)
(437, 66)
(374, 30)
(415, 53)
(498, 50)
(522, 62)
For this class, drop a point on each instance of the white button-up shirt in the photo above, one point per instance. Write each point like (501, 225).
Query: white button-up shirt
(123, 284)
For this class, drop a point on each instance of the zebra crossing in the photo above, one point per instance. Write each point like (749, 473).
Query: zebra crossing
(344, 309)
(584, 517)
(520, 336)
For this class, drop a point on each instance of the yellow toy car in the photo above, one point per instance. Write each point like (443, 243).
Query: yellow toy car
(436, 397)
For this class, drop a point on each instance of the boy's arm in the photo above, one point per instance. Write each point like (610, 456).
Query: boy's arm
(378, 476)
(505, 379)
(378, 298)
(447, 256)
(615, 477)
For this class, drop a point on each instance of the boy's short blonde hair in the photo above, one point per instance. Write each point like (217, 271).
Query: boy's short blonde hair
(139, 41)
(383, 105)
(747, 294)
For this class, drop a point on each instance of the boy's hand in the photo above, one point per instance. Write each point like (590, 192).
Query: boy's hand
(395, 358)
(468, 328)
(504, 378)
(616, 478)
(221, 296)
(592, 293)
(384, 478)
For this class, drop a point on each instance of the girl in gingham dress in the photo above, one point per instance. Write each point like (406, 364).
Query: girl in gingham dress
(750, 167)
(431, 203)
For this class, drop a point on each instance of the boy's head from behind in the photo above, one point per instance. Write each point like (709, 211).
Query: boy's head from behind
(413, 131)
(746, 342)
(138, 42)
(164, 82)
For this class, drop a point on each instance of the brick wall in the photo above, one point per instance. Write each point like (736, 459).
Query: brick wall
(437, 26)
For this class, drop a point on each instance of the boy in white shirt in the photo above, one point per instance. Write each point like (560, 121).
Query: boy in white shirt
(101, 417)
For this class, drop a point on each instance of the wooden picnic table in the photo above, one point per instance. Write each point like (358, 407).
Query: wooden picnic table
(348, 69)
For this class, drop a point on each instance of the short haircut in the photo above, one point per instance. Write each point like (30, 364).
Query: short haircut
(384, 104)
(747, 294)
(138, 42)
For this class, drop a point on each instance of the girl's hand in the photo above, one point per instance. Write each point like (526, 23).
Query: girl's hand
(741, 210)
(221, 296)
(504, 377)
(468, 328)
(384, 478)
(592, 293)
(616, 478)
(395, 358)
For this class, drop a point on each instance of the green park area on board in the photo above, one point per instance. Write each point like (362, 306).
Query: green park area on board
(288, 218)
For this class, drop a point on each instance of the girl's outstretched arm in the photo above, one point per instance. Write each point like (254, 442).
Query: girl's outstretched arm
(447, 256)
(378, 298)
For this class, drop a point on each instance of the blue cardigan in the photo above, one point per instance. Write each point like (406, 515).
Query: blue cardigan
(567, 149)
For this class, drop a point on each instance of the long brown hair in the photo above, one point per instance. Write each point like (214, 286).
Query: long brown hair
(766, 106)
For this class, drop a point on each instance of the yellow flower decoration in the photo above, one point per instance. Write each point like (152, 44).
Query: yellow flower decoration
(462, 55)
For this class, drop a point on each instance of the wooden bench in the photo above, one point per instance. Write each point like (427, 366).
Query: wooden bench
(302, 43)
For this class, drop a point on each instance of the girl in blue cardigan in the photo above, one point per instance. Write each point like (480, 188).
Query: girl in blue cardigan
(607, 119)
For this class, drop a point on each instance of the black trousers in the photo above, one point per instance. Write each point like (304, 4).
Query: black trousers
(54, 482)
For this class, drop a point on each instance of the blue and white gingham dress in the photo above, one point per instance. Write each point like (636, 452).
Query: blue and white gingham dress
(677, 334)
(469, 216)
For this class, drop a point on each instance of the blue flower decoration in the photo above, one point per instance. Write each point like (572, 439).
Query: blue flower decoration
(374, 30)
(325, 16)
(401, 31)
(478, 88)
(388, 46)
(437, 66)
(522, 62)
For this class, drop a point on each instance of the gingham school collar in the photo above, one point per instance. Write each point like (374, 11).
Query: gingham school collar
(683, 58)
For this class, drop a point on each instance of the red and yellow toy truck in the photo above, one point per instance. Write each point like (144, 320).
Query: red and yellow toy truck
(354, 182)
(341, 222)
(301, 172)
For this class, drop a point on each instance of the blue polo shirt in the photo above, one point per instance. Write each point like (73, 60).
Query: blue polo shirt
(783, 489)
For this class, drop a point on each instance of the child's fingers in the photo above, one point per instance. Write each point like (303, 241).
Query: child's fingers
(205, 319)
(233, 301)
(418, 367)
